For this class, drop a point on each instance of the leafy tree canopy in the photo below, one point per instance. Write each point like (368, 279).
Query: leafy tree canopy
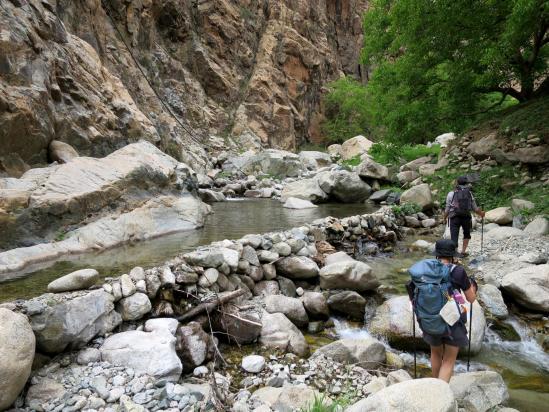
(439, 63)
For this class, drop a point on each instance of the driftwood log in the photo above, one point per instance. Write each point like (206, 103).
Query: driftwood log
(208, 307)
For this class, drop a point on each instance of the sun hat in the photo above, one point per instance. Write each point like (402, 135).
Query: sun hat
(446, 248)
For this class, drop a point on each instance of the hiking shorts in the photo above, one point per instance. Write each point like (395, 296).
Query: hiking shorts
(458, 337)
(457, 222)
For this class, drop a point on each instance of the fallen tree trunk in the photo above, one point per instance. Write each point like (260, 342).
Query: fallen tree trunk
(211, 305)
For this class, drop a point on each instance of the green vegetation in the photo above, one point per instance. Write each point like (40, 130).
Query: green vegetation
(496, 187)
(406, 209)
(441, 65)
(355, 161)
(390, 153)
(312, 147)
(346, 110)
(323, 404)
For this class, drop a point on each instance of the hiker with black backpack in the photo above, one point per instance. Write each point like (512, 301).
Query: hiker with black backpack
(460, 202)
(438, 289)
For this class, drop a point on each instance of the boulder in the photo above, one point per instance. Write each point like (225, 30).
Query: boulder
(80, 279)
(236, 326)
(334, 150)
(316, 305)
(493, 302)
(46, 390)
(346, 187)
(306, 189)
(353, 275)
(483, 147)
(314, 160)
(354, 147)
(370, 169)
(380, 195)
(427, 394)
(271, 162)
(428, 169)
(70, 321)
(211, 196)
(134, 307)
(414, 165)
(266, 288)
(161, 325)
(280, 333)
(193, 345)
(287, 286)
(407, 176)
(500, 215)
(17, 345)
(532, 155)
(297, 267)
(520, 204)
(538, 227)
(368, 353)
(479, 391)
(393, 321)
(253, 363)
(444, 139)
(291, 307)
(337, 257)
(529, 286)
(296, 203)
(398, 376)
(148, 353)
(286, 399)
(61, 152)
(420, 195)
(348, 303)
(502, 233)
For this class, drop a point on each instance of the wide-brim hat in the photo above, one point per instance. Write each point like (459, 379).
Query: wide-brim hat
(445, 247)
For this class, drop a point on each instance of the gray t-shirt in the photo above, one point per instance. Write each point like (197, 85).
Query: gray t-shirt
(450, 208)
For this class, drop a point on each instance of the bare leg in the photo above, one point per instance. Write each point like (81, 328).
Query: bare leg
(436, 359)
(465, 244)
(448, 362)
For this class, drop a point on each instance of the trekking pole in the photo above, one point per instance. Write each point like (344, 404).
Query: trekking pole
(482, 237)
(470, 336)
(414, 341)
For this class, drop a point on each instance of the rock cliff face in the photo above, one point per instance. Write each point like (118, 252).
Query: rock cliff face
(99, 75)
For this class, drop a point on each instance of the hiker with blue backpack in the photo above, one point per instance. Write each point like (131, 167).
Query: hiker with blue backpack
(438, 290)
(460, 202)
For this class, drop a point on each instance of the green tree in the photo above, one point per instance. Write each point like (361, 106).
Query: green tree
(438, 64)
(346, 110)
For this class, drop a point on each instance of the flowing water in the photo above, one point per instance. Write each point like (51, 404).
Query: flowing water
(523, 364)
(230, 220)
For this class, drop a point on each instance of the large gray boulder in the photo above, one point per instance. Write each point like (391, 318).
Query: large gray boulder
(479, 391)
(80, 279)
(529, 286)
(61, 152)
(70, 321)
(337, 257)
(151, 353)
(353, 275)
(502, 233)
(492, 300)
(44, 391)
(414, 165)
(296, 203)
(419, 395)
(368, 353)
(393, 321)
(17, 345)
(356, 146)
(344, 186)
(539, 226)
(420, 195)
(193, 345)
(291, 307)
(316, 305)
(285, 399)
(272, 162)
(297, 267)
(370, 169)
(499, 215)
(314, 160)
(483, 147)
(280, 333)
(348, 303)
(134, 307)
(306, 189)
(407, 176)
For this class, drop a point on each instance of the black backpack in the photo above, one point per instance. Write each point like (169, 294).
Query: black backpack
(462, 202)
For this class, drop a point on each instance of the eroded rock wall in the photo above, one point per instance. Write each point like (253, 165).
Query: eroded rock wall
(249, 69)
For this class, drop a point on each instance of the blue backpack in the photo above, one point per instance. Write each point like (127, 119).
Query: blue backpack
(431, 285)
